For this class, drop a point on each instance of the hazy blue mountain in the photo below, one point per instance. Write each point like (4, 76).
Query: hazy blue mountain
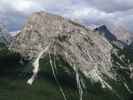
(106, 33)
(4, 35)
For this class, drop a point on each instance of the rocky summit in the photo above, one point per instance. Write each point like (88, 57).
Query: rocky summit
(73, 42)
(85, 50)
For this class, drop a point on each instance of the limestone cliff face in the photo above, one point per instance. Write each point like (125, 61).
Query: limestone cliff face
(78, 46)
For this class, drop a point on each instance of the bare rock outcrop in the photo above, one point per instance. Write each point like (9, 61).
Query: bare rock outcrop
(77, 45)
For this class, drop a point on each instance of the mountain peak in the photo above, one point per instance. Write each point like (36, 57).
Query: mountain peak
(106, 33)
(73, 42)
(104, 27)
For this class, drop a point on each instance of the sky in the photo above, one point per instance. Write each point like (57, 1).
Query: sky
(113, 13)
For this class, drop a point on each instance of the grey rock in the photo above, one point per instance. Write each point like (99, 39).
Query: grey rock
(89, 51)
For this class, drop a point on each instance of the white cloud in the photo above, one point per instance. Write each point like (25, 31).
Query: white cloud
(30, 5)
(88, 11)
(22, 5)
(111, 5)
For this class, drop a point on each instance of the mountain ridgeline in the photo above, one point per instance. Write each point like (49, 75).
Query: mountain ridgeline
(106, 33)
(97, 60)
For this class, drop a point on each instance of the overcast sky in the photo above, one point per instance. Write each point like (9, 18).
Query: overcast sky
(13, 13)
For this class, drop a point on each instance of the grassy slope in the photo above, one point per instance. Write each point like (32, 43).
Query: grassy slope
(13, 84)
(40, 90)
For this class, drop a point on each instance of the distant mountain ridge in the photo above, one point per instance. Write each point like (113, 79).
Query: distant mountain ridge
(91, 54)
(4, 35)
(106, 33)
